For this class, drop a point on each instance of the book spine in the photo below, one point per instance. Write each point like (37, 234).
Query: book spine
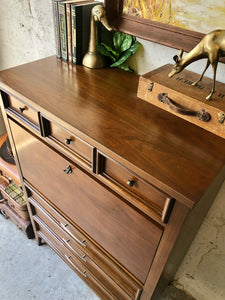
(56, 27)
(76, 22)
(69, 37)
(73, 32)
(63, 30)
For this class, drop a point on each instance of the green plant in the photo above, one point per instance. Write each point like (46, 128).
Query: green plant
(118, 49)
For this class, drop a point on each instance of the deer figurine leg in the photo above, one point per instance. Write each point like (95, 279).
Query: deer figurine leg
(214, 67)
(200, 78)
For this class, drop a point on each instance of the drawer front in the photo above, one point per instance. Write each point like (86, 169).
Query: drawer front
(71, 141)
(128, 182)
(22, 110)
(74, 239)
(130, 237)
(83, 266)
(66, 239)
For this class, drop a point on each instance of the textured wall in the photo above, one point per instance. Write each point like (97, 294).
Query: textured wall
(26, 31)
(26, 34)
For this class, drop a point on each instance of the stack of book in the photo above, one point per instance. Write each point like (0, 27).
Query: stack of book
(72, 28)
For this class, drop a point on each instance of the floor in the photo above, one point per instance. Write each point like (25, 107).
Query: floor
(28, 271)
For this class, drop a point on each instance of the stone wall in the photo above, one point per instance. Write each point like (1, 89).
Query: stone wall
(26, 34)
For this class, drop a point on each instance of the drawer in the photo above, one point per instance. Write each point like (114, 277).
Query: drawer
(22, 110)
(129, 236)
(69, 142)
(83, 266)
(70, 241)
(78, 243)
(128, 183)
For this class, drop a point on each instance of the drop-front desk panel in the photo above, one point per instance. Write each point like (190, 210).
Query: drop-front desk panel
(116, 186)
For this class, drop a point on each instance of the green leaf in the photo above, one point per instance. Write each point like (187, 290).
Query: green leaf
(109, 48)
(126, 44)
(122, 41)
(124, 66)
(105, 52)
(117, 40)
(126, 54)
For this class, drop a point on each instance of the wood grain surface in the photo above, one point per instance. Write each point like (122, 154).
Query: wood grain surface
(101, 107)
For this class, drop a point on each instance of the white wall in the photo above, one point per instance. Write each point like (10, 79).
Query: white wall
(26, 34)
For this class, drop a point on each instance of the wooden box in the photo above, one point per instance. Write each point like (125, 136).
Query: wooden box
(178, 96)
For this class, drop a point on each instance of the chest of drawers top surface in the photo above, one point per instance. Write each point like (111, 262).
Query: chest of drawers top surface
(101, 106)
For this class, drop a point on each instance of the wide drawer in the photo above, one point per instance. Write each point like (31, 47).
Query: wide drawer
(130, 184)
(82, 265)
(55, 244)
(68, 142)
(22, 110)
(128, 235)
(81, 244)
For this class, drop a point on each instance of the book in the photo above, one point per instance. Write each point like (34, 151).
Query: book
(69, 36)
(80, 28)
(64, 21)
(68, 24)
(63, 30)
(56, 27)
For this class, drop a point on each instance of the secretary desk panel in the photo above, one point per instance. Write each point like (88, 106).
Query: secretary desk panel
(129, 236)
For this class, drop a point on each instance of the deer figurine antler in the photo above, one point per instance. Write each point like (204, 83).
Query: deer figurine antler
(93, 59)
(212, 46)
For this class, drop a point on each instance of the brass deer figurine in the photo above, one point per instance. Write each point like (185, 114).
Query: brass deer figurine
(212, 46)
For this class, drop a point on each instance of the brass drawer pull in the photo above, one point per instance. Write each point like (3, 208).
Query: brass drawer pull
(130, 183)
(83, 273)
(21, 109)
(68, 170)
(78, 255)
(74, 237)
(202, 115)
(68, 141)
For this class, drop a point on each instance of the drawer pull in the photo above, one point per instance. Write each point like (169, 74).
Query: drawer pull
(83, 273)
(75, 238)
(21, 109)
(130, 183)
(78, 255)
(68, 141)
(68, 170)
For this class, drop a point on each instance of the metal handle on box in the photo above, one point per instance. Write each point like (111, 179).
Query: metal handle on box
(202, 115)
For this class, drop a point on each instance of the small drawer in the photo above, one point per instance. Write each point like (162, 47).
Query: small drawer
(22, 110)
(81, 264)
(126, 182)
(80, 245)
(74, 146)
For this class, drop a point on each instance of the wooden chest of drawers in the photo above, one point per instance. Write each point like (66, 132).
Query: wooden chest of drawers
(116, 186)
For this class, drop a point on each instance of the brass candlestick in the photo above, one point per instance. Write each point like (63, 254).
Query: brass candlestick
(93, 59)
